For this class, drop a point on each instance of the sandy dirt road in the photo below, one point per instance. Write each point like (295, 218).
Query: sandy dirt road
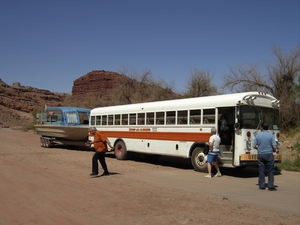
(52, 186)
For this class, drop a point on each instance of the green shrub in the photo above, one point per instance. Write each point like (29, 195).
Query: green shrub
(289, 163)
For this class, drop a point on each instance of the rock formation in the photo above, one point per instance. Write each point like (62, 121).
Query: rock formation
(95, 82)
(16, 102)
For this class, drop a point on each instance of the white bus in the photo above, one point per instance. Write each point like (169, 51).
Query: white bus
(180, 127)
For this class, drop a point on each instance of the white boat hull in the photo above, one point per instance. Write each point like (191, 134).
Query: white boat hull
(71, 133)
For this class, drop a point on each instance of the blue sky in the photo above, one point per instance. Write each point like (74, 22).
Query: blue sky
(50, 43)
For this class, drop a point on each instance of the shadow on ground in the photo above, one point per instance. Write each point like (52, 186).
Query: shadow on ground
(181, 163)
(175, 162)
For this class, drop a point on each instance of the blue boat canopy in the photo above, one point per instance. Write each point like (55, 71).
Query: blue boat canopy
(66, 109)
(65, 116)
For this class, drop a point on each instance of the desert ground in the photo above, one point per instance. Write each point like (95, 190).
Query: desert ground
(48, 186)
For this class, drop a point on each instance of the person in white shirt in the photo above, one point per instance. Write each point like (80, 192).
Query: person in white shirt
(212, 157)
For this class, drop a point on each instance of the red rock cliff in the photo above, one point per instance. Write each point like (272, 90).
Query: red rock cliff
(95, 82)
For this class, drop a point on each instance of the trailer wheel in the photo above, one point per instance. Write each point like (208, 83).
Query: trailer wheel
(121, 150)
(199, 160)
(43, 144)
(47, 143)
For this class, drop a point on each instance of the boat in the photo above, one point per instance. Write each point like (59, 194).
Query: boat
(63, 125)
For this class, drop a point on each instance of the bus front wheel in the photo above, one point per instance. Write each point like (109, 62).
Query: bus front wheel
(121, 151)
(199, 160)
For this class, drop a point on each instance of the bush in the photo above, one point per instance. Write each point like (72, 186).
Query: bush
(289, 163)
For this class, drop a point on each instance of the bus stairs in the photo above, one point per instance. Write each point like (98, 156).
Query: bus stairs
(225, 156)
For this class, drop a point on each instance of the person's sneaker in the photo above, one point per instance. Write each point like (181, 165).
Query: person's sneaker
(218, 175)
(207, 176)
(272, 189)
(105, 174)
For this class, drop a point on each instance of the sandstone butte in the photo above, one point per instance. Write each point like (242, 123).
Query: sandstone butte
(17, 101)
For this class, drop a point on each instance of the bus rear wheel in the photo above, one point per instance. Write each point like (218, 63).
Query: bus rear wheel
(199, 160)
(121, 151)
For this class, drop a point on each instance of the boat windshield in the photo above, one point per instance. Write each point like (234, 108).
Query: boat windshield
(71, 117)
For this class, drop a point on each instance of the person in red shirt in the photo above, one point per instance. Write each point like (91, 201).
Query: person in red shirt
(100, 145)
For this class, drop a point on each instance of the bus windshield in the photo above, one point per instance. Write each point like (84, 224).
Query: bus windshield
(252, 117)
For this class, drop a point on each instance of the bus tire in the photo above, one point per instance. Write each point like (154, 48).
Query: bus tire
(199, 160)
(121, 151)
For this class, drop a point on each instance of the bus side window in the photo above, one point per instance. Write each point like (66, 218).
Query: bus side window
(104, 120)
(98, 120)
(209, 116)
(170, 117)
(195, 116)
(160, 117)
(150, 118)
(93, 118)
(132, 119)
(182, 116)
(110, 120)
(117, 119)
(124, 119)
(141, 118)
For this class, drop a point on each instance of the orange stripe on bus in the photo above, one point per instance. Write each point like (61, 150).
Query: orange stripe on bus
(160, 135)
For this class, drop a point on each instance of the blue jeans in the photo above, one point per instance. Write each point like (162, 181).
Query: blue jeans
(266, 163)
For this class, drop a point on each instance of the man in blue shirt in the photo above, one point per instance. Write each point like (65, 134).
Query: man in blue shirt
(265, 144)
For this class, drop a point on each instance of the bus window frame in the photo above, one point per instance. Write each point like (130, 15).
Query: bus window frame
(171, 117)
(195, 119)
(141, 118)
(124, 119)
(182, 117)
(132, 118)
(98, 120)
(209, 118)
(150, 118)
(161, 119)
(117, 119)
